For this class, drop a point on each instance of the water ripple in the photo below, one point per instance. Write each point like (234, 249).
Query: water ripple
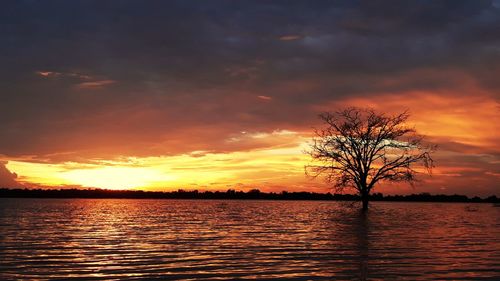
(265, 240)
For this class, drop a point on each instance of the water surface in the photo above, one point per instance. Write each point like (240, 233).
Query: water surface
(264, 240)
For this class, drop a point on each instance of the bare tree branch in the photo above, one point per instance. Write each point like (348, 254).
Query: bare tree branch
(359, 148)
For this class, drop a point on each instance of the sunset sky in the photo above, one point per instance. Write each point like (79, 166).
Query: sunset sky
(211, 95)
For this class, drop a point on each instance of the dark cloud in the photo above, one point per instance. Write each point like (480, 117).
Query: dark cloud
(7, 179)
(94, 79)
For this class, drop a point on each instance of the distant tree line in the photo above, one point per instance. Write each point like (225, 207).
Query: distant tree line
(230, 194)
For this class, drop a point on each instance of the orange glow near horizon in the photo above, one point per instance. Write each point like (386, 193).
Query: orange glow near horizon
(260, 168)
(466, 122)
(116, 177)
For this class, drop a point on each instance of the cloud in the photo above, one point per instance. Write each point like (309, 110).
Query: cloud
(290, 37)
(82, 81)
(54, 74)
(266, 98)
(48, 73)
(191, 92)
(7, 178)
(95, 84)
(170, 89)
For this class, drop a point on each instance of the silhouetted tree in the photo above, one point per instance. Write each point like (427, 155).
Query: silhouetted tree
(360, 147)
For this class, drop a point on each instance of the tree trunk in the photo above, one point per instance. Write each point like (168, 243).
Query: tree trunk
(364, 192)
(365, 203)
(364, 198)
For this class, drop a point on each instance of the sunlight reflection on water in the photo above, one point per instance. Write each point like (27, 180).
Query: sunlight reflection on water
(220, 240)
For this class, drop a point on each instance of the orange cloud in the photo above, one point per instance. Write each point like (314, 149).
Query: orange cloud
(95, 84)
(51, 74)
(290, 37)
(468, 120)
(266, 98)
(48, 73)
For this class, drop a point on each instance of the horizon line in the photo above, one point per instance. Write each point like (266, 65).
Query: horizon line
(232, 194)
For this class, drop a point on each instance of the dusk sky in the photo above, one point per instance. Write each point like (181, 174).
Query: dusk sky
(211, 95)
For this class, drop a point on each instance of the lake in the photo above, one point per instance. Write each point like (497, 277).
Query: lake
(263, 240)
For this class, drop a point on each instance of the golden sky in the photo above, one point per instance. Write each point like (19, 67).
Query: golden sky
(275, 161)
